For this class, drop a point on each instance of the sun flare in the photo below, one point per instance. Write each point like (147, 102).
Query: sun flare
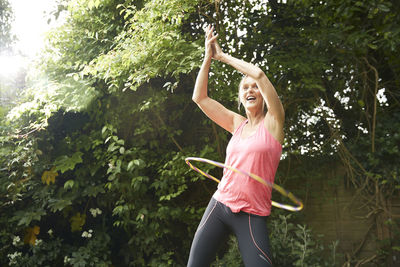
(10, 65)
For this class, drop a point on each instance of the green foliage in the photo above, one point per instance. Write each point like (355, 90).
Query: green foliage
(6, 18)
(291, 245)
(93, 252)
(65, 163)
(152, 45)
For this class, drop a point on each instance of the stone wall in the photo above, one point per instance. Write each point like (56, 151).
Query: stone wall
(333, 208)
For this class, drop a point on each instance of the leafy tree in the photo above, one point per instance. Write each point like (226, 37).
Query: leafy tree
(6, 17)
(6, 39)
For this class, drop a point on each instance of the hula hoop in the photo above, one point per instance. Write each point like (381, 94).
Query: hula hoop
(251, 175)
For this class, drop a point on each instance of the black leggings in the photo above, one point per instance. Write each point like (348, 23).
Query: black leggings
(217, 223)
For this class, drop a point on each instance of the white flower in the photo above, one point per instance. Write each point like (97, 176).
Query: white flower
(66, 259)
(38, 242)
(87, 234)
(16, 240)
(95, 212)
(13, 257)
(50, 232)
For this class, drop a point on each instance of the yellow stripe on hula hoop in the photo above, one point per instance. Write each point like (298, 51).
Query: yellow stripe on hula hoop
(251, 175)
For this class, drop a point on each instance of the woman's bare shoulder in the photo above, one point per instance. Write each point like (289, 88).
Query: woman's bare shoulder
(274, 127)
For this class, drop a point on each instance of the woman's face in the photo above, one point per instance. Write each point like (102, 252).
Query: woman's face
(249, 94)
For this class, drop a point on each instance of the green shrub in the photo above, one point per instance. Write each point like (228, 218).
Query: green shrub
(291, 245)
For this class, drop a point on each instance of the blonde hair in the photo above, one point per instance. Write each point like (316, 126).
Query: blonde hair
(240, 85)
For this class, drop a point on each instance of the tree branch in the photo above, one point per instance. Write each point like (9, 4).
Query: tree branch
(375, 100)
(173, 138)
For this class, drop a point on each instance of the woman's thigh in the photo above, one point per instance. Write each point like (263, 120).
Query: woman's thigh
(208, 237)
(252, 234)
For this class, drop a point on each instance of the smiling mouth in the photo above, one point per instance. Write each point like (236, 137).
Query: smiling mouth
(250, 98)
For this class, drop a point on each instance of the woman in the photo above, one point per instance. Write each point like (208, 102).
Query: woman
(241, 204)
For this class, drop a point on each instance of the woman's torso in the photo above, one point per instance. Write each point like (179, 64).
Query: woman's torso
(257, 153)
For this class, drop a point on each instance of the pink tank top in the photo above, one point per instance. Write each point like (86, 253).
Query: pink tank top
(259, 154)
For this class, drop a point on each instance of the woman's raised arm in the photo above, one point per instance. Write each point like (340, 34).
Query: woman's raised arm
(224, 117)
(275, 107)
